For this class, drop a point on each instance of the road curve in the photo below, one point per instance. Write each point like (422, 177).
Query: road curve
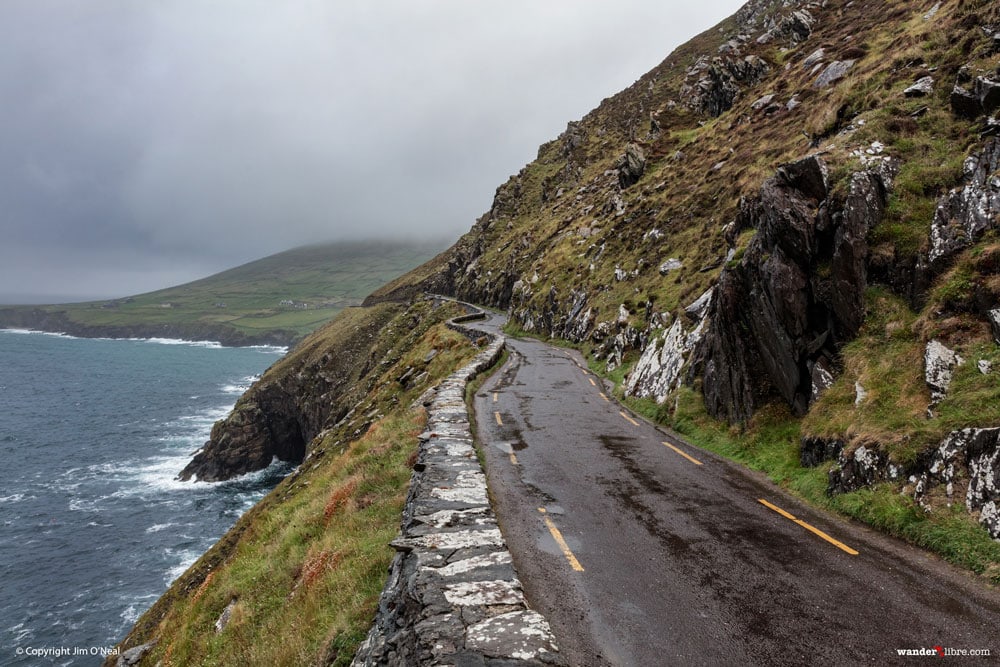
(642, 550)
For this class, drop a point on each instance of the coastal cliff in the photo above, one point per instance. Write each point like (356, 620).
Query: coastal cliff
(782, 242)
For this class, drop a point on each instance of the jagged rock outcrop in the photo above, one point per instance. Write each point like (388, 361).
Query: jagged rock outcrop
(864, 467)
(793, 27)
(631, 165)
(969, 459)
(965, 214)
(814, 451)
(971, 98)
(659, 370)
(296, 399)
(796, 294)
(720, 81)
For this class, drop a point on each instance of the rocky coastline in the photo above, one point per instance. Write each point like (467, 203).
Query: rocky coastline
(39, 319)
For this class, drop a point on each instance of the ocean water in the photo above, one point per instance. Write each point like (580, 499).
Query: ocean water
(93, 524)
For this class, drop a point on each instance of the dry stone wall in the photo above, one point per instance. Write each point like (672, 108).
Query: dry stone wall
(453, 597)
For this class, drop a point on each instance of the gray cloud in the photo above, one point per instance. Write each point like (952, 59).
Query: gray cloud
(146, 142)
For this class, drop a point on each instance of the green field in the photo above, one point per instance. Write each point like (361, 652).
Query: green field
(290, 293)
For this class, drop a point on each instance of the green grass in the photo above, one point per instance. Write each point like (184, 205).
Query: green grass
(771, 445)
(306, 565)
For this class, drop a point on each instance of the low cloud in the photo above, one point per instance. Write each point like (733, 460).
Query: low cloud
(175, 139)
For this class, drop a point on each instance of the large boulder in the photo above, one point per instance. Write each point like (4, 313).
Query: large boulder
(970, 100)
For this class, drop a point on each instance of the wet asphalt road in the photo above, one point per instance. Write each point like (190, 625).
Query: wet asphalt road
(667, 562)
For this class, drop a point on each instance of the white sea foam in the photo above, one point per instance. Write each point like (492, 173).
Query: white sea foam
(15, 498)
(137, 605)
(187, 559)
(35, 331)
(212, 344)
(270, 349)
(88, 504)
(241, 385)
(20, 632)
(157, 527)
(209, 417)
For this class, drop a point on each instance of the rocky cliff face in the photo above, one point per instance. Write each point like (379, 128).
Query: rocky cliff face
(318, 386)
(294, 400)
(780, 314)
(724, 221)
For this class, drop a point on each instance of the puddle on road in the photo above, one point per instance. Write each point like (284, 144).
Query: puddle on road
(618, 445)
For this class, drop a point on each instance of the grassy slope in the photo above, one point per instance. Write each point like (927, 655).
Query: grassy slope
(690, 196)
(308, 562)
(327, 278)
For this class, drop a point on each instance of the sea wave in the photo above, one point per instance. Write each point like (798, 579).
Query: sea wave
(241, 386)
(187, 559)
(270, 349)
(157, 527)
(137, 606)
(212, 344)
(22, 332)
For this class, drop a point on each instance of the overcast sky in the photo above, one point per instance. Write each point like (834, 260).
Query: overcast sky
(144, 143)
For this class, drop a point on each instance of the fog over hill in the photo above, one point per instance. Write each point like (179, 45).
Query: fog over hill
(147, 144)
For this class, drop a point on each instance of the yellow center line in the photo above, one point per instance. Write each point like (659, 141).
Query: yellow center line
(629, 419)
(557, 536)
(605, 397)
(499, 421)
(592, 381)
(811, 529)
(513, 458)
(685, 455)
(495, 396)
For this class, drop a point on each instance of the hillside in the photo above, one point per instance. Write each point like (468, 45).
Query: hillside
(273, 300)
(789, 226)
(781, 242)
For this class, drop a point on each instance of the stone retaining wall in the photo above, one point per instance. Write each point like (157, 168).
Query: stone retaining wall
(453, 597)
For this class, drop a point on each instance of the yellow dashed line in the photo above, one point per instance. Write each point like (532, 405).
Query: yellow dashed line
(513, 458)
(629, 419)
(557, 536)
(685, 455)
(495, 396)
(605, 397)
(499, 421)
(592, 381)
(811, 529)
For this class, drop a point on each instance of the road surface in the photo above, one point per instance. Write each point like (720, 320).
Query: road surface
(643, 550)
